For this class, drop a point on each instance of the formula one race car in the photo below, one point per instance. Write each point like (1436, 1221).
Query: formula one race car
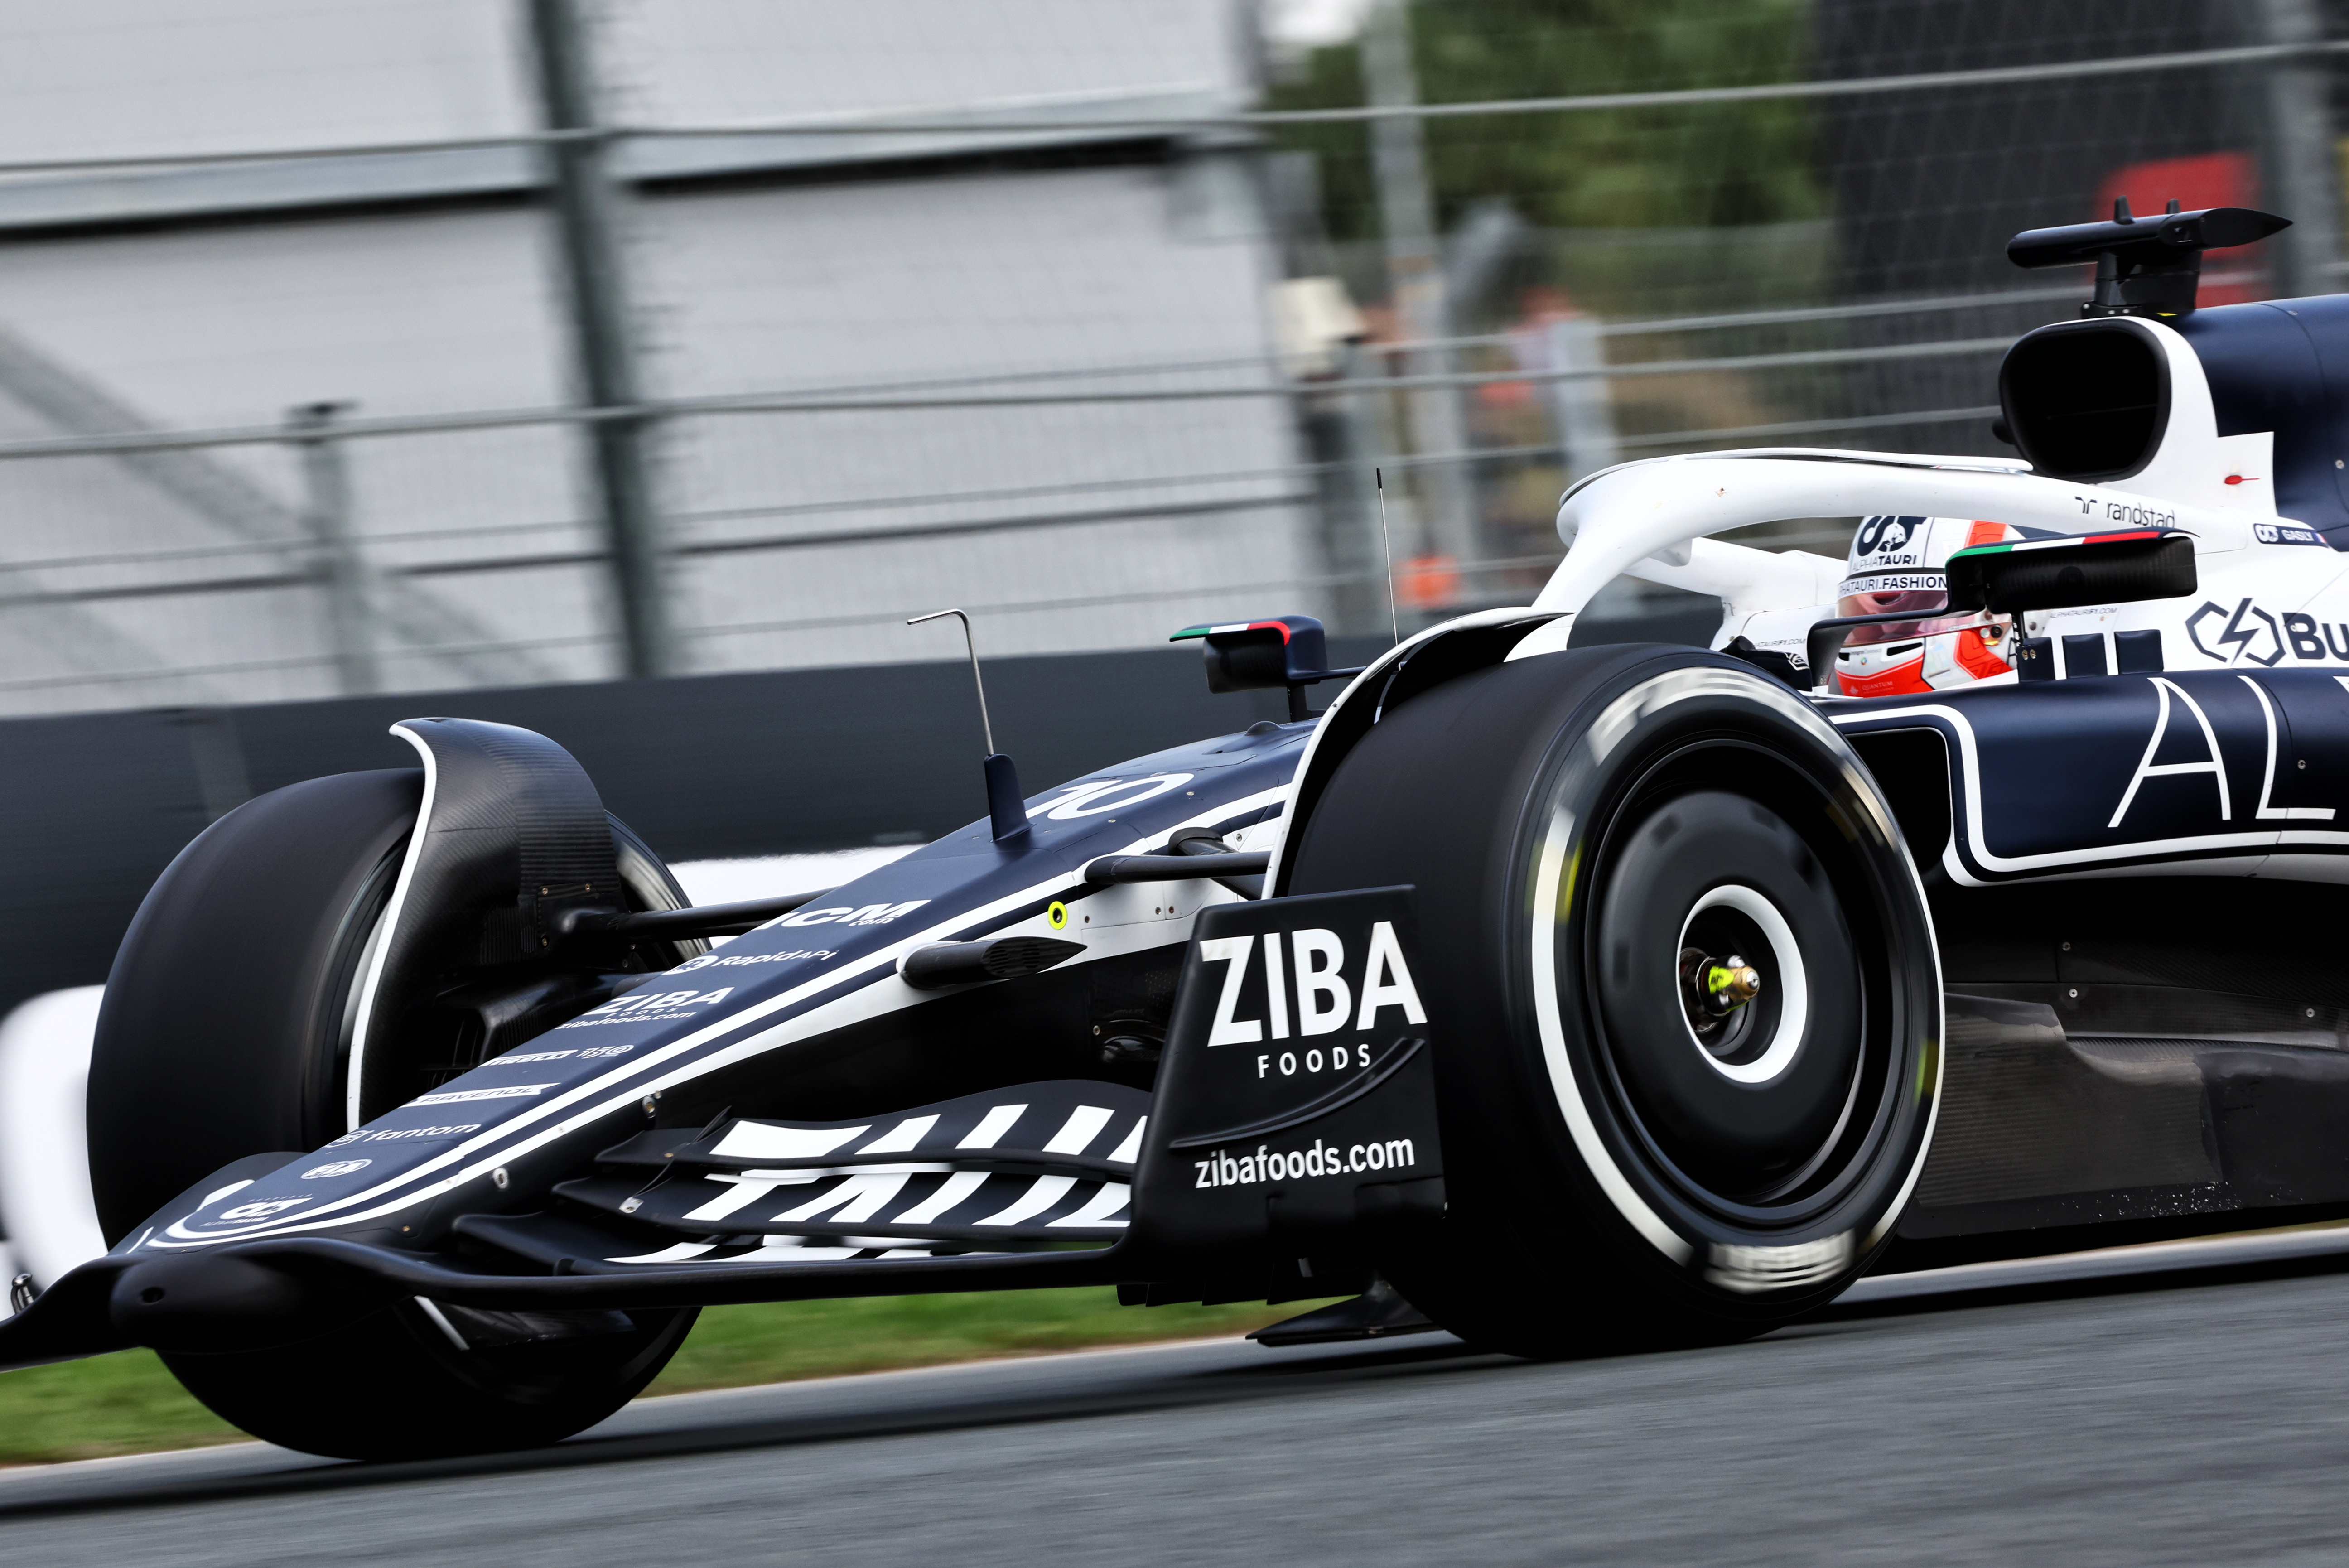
(1974, 893)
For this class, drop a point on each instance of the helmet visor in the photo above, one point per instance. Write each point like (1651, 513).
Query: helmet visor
(1931, 608)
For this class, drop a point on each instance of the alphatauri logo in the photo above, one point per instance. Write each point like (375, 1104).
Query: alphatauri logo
(1887, 542)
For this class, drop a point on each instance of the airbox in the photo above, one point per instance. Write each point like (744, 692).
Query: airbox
(2087, 401)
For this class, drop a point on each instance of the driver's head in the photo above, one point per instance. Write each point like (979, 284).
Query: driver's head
(1896, 564)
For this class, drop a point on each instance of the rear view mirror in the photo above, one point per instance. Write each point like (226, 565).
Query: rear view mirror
(1290, 650)
(2059, 573)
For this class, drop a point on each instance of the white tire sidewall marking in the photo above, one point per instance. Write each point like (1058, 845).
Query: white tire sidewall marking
(1607, 731)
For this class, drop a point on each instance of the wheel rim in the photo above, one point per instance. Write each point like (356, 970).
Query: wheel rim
(1748, 1030)
(1745, 1122)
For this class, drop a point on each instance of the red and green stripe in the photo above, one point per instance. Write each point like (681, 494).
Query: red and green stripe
(2018, 546)
(1189, 631)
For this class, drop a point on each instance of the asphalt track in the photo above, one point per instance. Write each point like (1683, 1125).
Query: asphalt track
(2186, 1404)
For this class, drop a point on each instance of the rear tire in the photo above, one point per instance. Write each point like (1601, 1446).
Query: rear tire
(1627, 1167)
(225, 1033)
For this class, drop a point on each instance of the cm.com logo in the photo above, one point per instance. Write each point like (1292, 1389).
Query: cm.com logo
(1221, 1170)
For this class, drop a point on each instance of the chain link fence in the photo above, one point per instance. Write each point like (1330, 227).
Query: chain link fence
(374, 346)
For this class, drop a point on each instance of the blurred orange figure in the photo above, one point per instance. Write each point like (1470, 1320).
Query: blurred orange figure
(1428, 581)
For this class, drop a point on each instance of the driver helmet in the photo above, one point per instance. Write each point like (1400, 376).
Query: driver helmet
(1896, 564)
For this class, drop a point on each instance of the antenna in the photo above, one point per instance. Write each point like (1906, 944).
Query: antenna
(971, 643)
(1007, 810)
(1386, 544)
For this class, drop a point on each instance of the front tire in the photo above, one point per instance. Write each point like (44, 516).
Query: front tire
(226, 1031)
(224, 1023)
(1632, 1158)
(421, 1380)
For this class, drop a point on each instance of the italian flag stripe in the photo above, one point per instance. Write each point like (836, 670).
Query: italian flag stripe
(1974, 550)
(1280, 627)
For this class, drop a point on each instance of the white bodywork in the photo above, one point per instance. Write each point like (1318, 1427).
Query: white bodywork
(45, 1199)
(1652, 520)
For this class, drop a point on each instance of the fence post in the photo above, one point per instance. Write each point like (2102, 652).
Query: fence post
(603, 344)
(326, 514)
(1343, 454)
(1415, 271)
(2303, 174)
(1582, 407)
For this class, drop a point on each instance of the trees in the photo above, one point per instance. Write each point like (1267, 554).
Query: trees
(1710, 165)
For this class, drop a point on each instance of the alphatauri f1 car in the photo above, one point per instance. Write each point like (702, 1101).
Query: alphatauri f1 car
(1972, 895)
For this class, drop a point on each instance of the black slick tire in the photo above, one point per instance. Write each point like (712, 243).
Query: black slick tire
(224, 1034)
(219, 1034)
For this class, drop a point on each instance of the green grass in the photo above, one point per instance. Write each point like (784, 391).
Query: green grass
(127, 1402)
(775, 1342)
(119, 1404)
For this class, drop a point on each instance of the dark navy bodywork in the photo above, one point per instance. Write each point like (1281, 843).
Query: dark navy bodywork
(784, 997)
(2050, 778)
(2283, 365)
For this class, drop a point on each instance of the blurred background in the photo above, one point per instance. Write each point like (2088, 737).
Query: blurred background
(355, 347)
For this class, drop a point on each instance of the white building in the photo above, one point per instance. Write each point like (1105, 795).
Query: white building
(1045, 247)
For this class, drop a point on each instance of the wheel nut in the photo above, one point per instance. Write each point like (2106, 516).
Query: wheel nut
(1734, 984)
(1713, 989)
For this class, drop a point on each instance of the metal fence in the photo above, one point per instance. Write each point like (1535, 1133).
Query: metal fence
(1181, 332)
